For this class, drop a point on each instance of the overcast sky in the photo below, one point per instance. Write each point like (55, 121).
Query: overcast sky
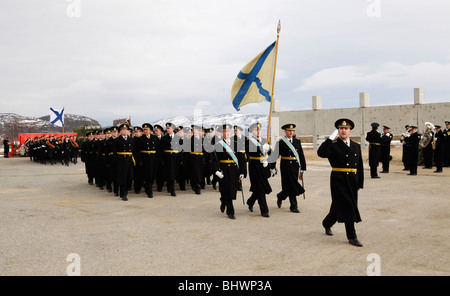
(110, 59)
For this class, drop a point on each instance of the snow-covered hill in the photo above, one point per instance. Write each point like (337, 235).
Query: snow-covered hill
(12, 124)
(242, 120)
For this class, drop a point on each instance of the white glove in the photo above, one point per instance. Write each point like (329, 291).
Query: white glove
(241, 177)
(265, 163)
(274, 172)
(334, 135)
(302, 171)
(388, 134)
(266, 147)
(219, 174)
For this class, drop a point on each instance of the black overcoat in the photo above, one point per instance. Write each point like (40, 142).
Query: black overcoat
(344, 185)
(290, 168)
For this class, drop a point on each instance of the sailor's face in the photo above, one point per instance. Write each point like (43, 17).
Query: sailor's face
(344, 132)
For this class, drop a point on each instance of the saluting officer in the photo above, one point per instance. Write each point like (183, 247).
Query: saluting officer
(374, 138)
(228, 170)
(258, 169)
(292, 165)
(347, 177)
(123, 153)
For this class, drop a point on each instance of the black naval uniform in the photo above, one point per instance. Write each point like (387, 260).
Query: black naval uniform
(195, 162)
(446, 133)
(228, 185)
(290, 171)
(258, 173)
(412, 143)
(149, 155)
(439, 150)
(374, 138)
(123, 153)
(347, 177)
(6, 148)
(88, 159)
(170, 159)
(385, 154)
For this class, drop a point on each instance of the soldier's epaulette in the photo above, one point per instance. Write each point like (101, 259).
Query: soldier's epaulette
(334, 141)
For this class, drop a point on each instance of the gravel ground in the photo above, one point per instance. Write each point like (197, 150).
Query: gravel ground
(48, 212)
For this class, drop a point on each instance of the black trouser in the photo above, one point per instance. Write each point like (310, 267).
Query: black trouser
(373, 171)
(261, 198)
(228, 205)
(292, 200)
(331, 219)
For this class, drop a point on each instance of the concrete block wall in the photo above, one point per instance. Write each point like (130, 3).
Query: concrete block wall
(319, 123)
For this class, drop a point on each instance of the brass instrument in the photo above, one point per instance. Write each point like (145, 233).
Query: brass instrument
(427, 136)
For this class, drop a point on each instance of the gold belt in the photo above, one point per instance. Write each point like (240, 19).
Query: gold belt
(256, 158)
(171, 151)
(375, 144)
(288, 158)
(196, 153)
(345, 170)
(148, 151)
(227, 161)
(124, 153)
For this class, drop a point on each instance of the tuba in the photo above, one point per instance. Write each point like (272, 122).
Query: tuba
(427, 135)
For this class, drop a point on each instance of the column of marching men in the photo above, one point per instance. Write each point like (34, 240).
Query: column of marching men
(121, 159)
(49, 149)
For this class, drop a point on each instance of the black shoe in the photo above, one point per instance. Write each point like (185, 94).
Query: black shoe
(328, 231)
(265, 215)
(437, 171)
(375, 177)
(279, 200)
(214, 186)
(355, 242)
(384, 172)
(173, 193)
(124, 198)
(231, 216)
(412, 174)
(250, 207)
(222, 207)
(295, 210)
(150, 194)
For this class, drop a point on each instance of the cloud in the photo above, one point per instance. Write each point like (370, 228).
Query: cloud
(387, 75)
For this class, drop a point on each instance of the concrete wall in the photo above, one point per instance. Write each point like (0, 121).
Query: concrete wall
(319, 123)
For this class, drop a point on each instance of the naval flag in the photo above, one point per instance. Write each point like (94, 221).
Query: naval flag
(254, 81)
(57, 117)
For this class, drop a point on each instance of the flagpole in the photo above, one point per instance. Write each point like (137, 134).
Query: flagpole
(273, 82)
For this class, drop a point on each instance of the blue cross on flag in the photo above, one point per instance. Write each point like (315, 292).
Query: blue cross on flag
(57, 117)
(254, 81)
